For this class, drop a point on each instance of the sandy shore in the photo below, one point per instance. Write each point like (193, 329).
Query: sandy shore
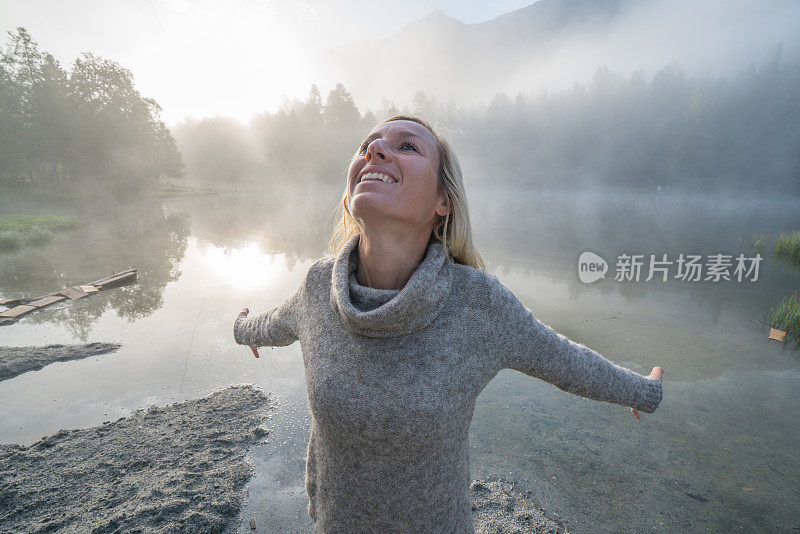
(180, 468)
(17, 360)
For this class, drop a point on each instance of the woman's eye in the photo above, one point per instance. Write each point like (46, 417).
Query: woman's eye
(404, 145)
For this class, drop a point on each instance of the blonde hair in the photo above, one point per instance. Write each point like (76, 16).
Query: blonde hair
(453, 230)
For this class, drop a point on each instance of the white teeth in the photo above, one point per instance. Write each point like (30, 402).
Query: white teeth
(377, 176)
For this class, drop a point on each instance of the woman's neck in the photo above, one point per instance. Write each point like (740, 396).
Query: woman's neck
(388, 260)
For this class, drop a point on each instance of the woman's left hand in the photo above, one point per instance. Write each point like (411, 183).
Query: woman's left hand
(657, 372)
(244, 313)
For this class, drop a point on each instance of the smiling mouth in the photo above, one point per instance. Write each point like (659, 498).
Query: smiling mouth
(377, 177)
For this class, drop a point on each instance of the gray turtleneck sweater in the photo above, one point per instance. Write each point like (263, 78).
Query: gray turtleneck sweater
(392, 377)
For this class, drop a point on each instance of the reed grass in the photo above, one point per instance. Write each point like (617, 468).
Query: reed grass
(787, 247)
(18, 230)
(786, 314)
(756, 243)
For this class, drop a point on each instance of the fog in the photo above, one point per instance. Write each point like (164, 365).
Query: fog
(594, 94)
(239, 58)
(550, 45)
(669, 131)
(206, 145)
(89, 125)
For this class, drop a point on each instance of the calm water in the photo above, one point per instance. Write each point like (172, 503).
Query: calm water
(719, 454)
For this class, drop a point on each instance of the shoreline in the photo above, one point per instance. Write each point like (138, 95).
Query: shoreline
(182, 466)
(185, 466)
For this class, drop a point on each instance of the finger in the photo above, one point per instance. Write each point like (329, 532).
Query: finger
(636, 413)
(255, 351)
(658, 372)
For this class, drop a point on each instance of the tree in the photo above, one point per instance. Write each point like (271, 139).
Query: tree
(425, 106)
(387, 109)
(340, 111)
(89, 124)
(313, 106)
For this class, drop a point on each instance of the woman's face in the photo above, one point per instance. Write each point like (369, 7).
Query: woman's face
(406, 155)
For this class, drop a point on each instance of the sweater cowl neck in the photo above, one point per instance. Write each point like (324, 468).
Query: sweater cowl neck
(372, 312)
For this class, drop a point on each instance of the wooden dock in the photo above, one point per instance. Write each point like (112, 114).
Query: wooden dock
(23, 306)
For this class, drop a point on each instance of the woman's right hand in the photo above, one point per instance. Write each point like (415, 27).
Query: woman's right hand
(244, 313)
(657, 372)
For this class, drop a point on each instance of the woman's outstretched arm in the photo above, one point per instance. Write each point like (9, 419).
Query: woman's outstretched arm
(531, 347)
(276, 328)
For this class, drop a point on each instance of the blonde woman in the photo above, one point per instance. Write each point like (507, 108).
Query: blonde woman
(401, 328)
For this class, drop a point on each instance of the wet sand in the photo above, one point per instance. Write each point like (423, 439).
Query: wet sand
(17, 360)
(499, 506)
(181, 467)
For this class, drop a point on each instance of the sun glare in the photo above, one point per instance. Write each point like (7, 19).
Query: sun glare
(245, 267)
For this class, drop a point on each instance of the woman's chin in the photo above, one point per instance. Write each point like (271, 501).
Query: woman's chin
(370, 208)
(375, 186)
(369, 201)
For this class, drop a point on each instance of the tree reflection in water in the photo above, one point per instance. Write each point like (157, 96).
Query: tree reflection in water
(138, 234)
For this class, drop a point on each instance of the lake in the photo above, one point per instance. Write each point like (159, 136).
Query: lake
(719, 454)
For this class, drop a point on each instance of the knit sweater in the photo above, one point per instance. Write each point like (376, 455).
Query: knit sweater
(392, 377)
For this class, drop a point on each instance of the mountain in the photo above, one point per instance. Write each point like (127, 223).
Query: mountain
(446, 57)
(548, 17)
(551, 44)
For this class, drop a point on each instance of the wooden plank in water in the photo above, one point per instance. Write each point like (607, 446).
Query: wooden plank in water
(17, 311)
(777, 335)
(117, 279)
(114, 276)
(45, 301)
(73, 293)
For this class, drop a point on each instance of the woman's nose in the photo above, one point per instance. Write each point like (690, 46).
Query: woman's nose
(376, 148)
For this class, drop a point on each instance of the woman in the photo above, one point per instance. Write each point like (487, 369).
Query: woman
(401, 329)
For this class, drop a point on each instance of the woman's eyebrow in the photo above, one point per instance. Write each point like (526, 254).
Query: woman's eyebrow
(403, 133)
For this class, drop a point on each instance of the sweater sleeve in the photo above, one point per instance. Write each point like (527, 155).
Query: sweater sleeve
(533, 348)
(276, 328)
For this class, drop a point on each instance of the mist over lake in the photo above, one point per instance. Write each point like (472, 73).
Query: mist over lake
(183, 141)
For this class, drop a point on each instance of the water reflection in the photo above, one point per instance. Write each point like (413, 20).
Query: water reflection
(590, 462)
(537, 233)
(139, 235)
(289, 220)
(246, 267)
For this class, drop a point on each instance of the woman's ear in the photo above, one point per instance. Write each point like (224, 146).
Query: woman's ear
(442, 209)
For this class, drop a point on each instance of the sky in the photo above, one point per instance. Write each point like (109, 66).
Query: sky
(204, 58)
(238, 58)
